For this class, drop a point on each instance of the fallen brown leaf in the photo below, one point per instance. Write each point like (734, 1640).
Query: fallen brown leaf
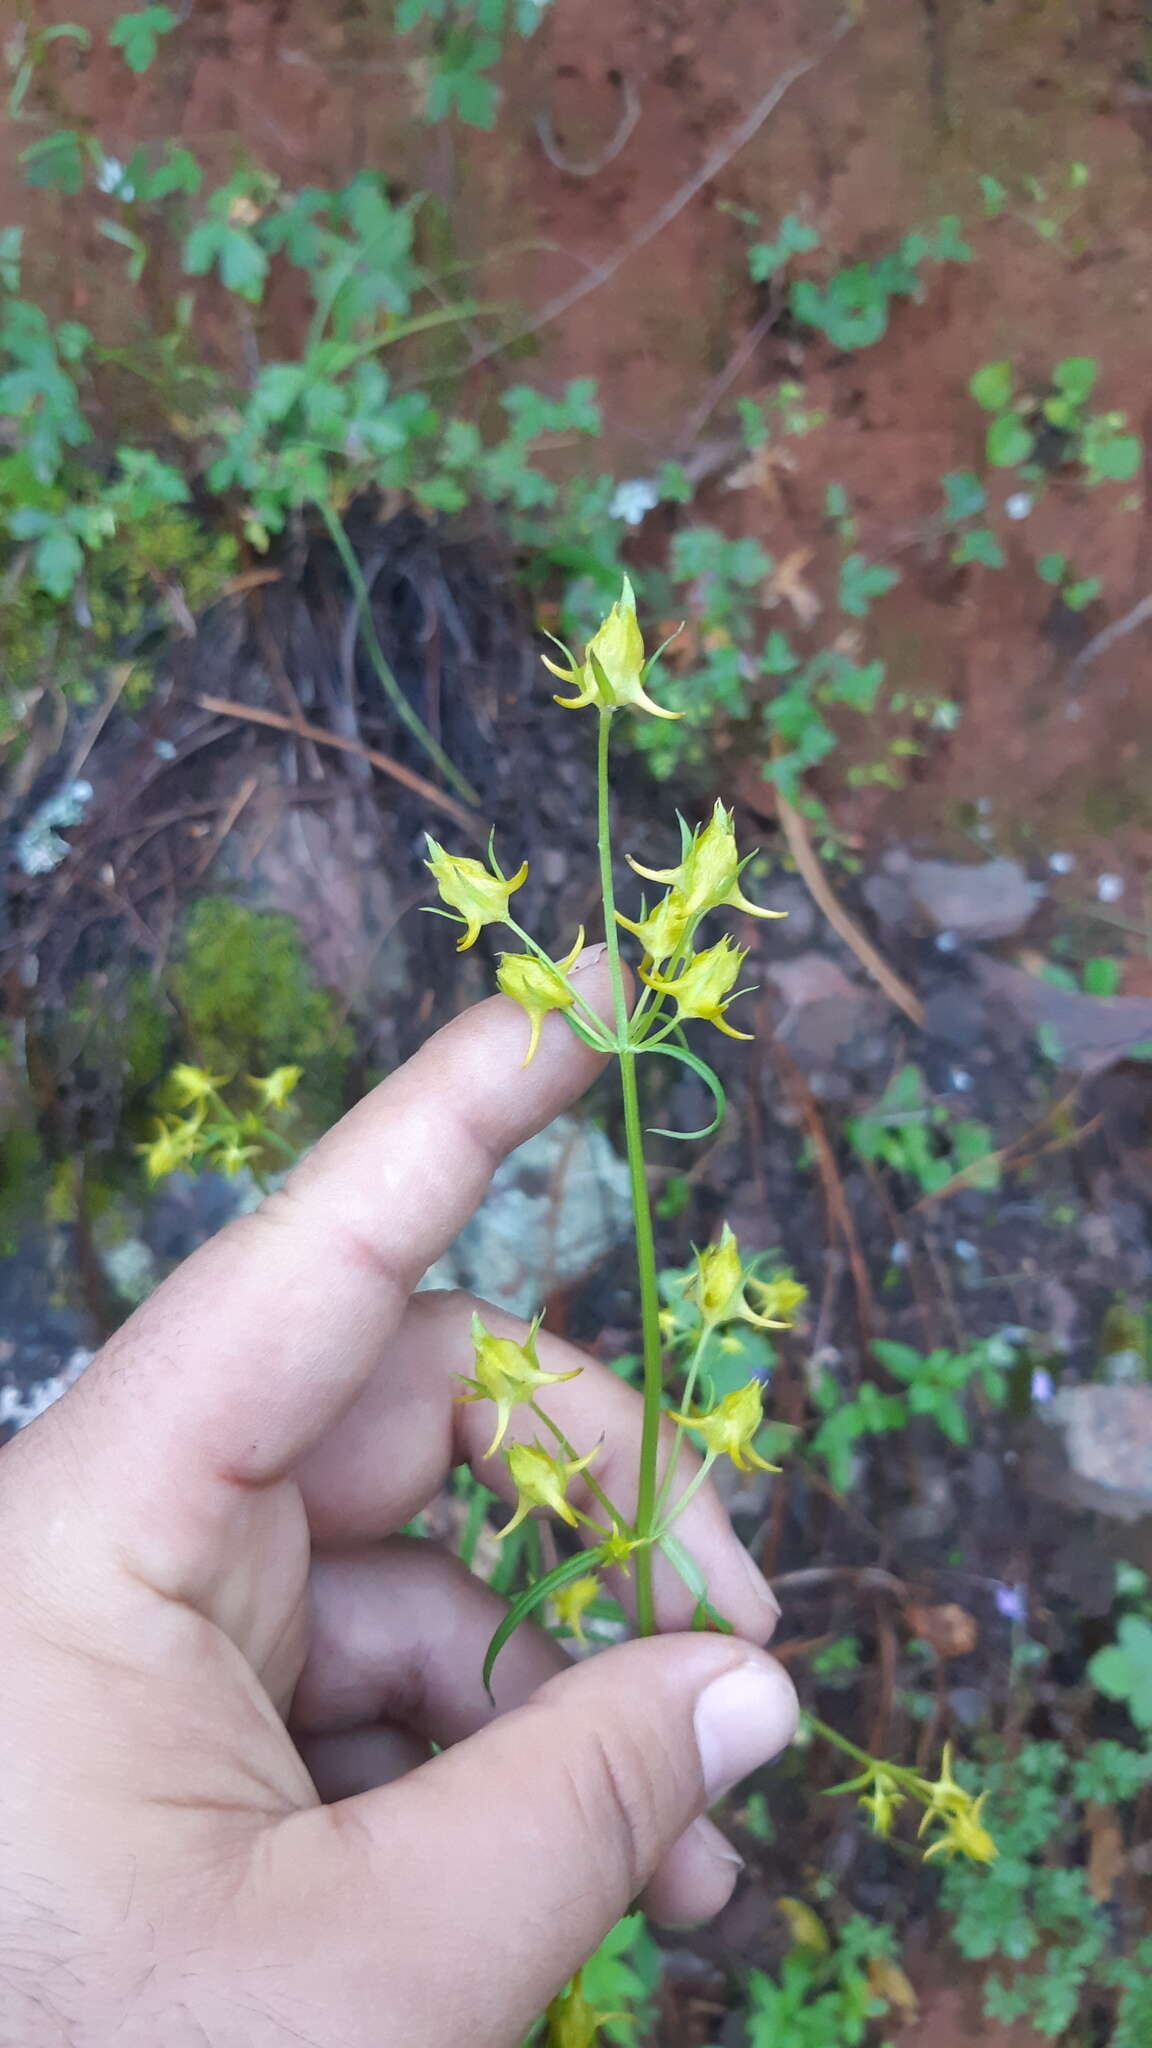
(786, 585)
(949, 1630)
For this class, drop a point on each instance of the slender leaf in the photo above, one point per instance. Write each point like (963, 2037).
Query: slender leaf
(703, 1073)
(532, 1598)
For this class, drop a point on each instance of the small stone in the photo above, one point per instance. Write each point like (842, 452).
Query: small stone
(810, 978)
(1107, 1440)
(554, 1208)
(1110, 888)
(1061, 863)
(989, 900)
(1086, 1033)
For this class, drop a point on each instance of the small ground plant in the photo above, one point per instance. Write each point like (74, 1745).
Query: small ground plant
(1036, 432)
(1039, 1912)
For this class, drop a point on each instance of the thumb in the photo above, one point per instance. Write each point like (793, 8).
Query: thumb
(524, 1844)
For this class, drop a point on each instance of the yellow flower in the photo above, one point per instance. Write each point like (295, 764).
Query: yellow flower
(881, 1802)
(231, 1155)
(663, 931)
(729, 1427)
(570, 1602)
(274, 1089)
(943, 1794)
(708, 876)
(508, 1374)
(541, 1481)
(538, 986)
(616, 1550)
(702, 987)
(717, 1286)
(193, 1084)
(614, 668)
(570, 2022)
(175, 1141)
(964, 1835)
(480, 895)
(779, 1299)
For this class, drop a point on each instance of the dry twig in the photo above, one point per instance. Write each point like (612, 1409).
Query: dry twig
(225, 707)
(836, 1207)
(808, 861)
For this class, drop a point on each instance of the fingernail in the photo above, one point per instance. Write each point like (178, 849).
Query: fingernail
(761, 1590)
(708, 1835)
(590, 957)
(742, 1720)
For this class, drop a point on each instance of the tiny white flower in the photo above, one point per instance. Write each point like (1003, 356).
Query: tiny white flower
(1061, 863)
(633, 500)
(111, 179)
(1019, 505)
(1110, 888)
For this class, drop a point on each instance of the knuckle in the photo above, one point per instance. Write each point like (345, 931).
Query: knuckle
(616, 1780)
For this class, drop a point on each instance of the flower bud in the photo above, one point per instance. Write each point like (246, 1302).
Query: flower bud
(614, 668)
(708, 874)
(541, 1481)
(727, 1430)
(274, 1089)
(479, 895)
(569, 1603)
(718, 1286)
(701, 988)
(507, 1374)
(538, 986)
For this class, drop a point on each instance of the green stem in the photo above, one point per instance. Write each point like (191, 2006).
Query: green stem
(376, 656)
(900, 1773)
(641, 1208)
(688, 1495)
(478, 1504)
(685, 1404)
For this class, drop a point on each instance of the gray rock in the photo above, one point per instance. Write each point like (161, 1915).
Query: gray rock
(556, 1206)
(1087, 1032)
(810, 978)
(789, 897)
(1105, 1435)
(990, 900)
(20, 1405)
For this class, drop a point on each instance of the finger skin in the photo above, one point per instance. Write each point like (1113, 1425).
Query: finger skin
(399, 1632)
(572, 1802)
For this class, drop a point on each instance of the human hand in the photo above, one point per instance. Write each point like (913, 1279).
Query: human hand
(197, 1554)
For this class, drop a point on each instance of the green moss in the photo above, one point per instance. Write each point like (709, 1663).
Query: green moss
(124, 587)
(250, 1002)
(23, 1182)
(147, 1029)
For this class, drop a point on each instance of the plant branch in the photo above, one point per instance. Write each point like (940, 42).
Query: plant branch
(641, 1207)
(388, 683)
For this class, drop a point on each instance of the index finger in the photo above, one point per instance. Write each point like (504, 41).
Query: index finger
(246, 1356)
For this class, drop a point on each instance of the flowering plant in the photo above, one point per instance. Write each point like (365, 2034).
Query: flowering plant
(681, 981)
